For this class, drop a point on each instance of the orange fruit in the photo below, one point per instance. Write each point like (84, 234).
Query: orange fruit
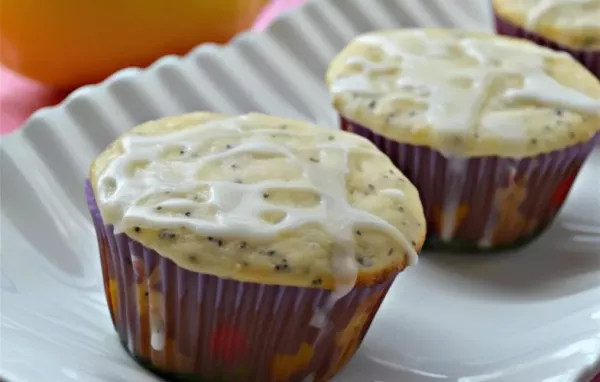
(68, 43)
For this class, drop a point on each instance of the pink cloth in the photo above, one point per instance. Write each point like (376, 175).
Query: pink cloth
(20, 97)
(273, 10)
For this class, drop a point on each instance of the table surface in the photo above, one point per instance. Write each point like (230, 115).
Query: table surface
(20, 97)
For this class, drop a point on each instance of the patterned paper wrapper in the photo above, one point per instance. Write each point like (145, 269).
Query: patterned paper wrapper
(589, 58)
(488, 203)
(187, 326)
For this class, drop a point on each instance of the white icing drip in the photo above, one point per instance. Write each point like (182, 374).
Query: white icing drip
(346, 271)
(130, 342)
(540, 87)
(358, 84)
(545, 7)
(486, 239)
(157, 339)
(239, 205)
(428, 71)
(392, 192)
(456, 176)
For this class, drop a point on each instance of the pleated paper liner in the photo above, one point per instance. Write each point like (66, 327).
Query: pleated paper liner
(589, 58)
(484, 204)
(189, 326)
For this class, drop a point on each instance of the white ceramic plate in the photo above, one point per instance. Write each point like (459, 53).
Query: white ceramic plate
(523, 317)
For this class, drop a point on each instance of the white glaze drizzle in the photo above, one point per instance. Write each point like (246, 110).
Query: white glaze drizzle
(239, 205)
(130, 342)
(393, 192)
(541, 8)
(456, 176)
(157, 338)
(431, 73)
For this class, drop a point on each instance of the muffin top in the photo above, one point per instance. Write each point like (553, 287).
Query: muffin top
(574, 23)
(261, 199)
(465, 93)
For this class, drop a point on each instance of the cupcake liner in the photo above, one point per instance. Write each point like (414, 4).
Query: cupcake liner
(589, 58)
(487, 203)
(189, 326)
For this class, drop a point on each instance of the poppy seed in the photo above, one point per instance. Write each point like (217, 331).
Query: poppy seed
(281, 267)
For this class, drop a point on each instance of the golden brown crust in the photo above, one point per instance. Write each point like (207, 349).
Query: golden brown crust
(306, 249)
(520, 128)
(558, 26)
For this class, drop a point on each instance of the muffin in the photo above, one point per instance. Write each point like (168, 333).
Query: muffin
(248, 248)
(492, 130)
(572, 26)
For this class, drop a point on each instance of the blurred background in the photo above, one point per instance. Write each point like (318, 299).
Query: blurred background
(49, 48)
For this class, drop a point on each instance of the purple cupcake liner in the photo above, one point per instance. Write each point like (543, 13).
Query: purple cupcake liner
(589, 58)
(199, 326)
(484, 203)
